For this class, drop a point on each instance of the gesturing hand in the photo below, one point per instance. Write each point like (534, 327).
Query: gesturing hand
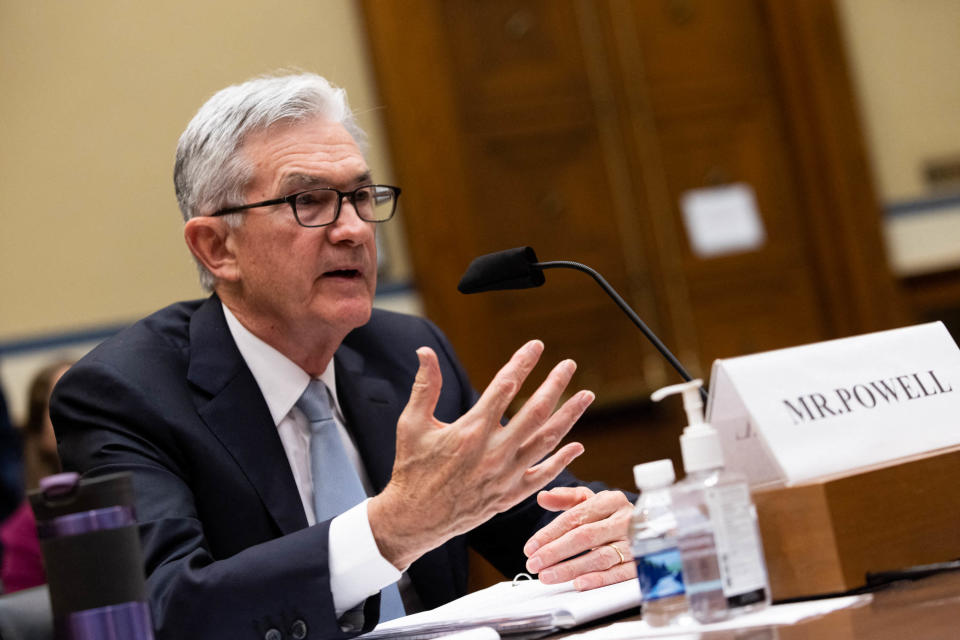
(592, 523)
(449, 478)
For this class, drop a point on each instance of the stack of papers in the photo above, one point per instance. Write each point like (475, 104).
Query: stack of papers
(519, 607)
(530, 608)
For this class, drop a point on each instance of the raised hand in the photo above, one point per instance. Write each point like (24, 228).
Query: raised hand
(449, 478)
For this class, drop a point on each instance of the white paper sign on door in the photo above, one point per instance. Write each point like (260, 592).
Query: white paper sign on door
(722, 220)
(796, 414)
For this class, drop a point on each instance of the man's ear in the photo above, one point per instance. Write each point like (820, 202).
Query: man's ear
(211, 241)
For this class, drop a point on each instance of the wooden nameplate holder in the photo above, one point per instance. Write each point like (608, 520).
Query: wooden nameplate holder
(823, 536)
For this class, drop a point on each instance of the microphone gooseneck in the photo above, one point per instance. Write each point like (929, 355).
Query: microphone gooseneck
(518, 269)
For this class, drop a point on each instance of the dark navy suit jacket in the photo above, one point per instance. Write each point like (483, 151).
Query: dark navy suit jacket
(227, 549)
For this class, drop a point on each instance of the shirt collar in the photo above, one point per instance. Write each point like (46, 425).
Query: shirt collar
(281, 381)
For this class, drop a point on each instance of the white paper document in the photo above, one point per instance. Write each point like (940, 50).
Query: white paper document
(478, 633)
(516, 607)
(781, 614)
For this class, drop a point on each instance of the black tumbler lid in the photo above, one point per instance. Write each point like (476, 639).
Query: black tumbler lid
(67, 493)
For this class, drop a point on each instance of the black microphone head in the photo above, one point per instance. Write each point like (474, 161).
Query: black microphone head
(509, 269)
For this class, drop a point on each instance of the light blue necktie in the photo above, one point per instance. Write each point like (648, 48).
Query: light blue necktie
(336, 485)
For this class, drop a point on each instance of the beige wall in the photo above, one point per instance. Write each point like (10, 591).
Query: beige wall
(95, 95)
(905, 56)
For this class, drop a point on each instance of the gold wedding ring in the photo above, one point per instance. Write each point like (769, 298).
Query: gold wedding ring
(614, 547)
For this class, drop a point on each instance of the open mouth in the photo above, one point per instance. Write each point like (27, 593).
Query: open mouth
(342, 273)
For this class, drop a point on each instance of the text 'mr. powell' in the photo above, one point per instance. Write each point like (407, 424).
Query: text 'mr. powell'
(869, 395)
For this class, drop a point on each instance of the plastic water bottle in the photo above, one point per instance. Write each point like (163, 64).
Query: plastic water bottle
(654, 545)
(718, 538)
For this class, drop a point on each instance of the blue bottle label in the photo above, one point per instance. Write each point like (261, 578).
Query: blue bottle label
(660, 574)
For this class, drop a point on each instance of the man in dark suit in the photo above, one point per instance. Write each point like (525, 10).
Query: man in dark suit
(205, 403)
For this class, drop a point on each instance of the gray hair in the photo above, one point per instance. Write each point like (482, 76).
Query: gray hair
(210, 171)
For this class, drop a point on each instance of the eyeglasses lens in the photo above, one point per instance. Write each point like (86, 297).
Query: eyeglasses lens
(316, 207)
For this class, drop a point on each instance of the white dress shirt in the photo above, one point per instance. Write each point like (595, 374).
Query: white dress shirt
(357, 570)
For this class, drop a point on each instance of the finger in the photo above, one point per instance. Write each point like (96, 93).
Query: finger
(580, 540)
(563, 498)
(507, 382)
(540, 406)
(596, 521)
(619, 573)
(548, 469)
(426, 386)
(602, 558)
(626, 571)
(541, 441)
(557, 499)
(594, 509)
(565, 522)
(538, 476)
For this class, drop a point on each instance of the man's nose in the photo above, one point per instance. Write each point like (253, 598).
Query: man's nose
(349, 226)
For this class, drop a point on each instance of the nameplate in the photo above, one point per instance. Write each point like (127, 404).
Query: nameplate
(797, 414)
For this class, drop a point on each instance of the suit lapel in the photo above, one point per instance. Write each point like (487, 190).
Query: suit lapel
(371, 408)
(232, 406)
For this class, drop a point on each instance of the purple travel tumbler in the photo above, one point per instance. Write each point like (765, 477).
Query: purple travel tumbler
(91, 552)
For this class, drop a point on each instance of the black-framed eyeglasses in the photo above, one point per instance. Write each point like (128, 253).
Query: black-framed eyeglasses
(320, 207)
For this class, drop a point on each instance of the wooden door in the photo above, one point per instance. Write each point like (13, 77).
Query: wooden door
(574, 127)
(498, 142)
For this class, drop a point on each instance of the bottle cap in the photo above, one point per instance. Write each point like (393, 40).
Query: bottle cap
(653, 475)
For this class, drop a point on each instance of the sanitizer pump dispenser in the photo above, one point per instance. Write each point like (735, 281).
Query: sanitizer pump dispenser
(723, 566)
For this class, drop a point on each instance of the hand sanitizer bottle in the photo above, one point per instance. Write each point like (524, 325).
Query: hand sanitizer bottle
(653, 541)
(723, 566)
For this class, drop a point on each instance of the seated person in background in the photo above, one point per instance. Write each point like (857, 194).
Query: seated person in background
(22, 565)
(257, 422)
(11, 486)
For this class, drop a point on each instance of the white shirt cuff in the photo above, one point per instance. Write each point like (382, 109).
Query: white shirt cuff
(357, 570)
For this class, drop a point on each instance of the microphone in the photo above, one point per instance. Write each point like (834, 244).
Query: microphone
(518, 269)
